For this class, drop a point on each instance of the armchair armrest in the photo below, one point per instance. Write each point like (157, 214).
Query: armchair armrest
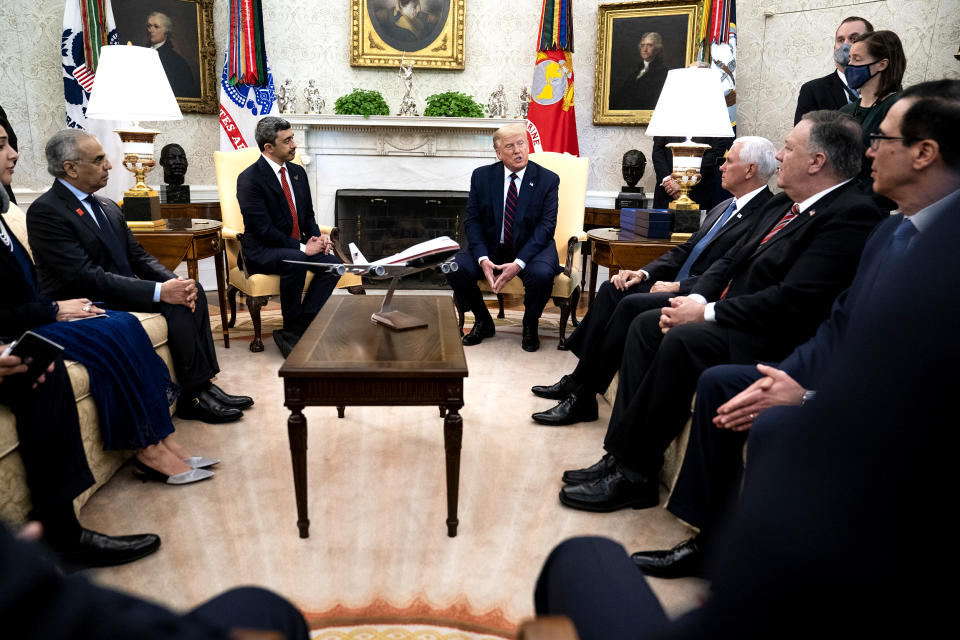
(572, 245)
(547, 628)
(229, 233)
(334, 233)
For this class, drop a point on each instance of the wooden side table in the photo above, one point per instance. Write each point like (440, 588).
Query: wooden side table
(191, 240)
(607, 248)
(203, 210)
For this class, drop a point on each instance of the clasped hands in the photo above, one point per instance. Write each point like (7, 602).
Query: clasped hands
(626, 278)
(179, 291)
(507, 273)
(319, 244)
(775, 389)
(682, 310)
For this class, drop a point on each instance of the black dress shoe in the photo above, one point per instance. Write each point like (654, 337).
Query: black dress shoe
(481, 329)
(205, 408)
(556, 391)
(610, 493)
(98, 550)
(577, 407)
(224, 398)
(597, 470)
(531, 337)
(285, 341)
(685, 559)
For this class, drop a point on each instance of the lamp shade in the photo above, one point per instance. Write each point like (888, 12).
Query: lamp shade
(131, 84)
(691, 104)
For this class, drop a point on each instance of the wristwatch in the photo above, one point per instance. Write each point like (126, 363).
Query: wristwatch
(807, 395)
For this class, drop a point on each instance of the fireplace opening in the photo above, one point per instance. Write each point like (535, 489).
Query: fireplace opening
(387, 221)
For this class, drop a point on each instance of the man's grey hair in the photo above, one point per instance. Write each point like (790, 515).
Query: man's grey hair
(267, 130)
(165, 19)
(656, 37)
(838, 137)
(62, 147)
(761, 152)
(508, 130)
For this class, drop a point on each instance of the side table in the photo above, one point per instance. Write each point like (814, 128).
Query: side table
(621, 250)
(190, 239)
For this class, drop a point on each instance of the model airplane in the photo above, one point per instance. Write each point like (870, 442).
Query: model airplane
(432, 254)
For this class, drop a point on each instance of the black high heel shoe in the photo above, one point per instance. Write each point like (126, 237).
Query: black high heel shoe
(145, 473)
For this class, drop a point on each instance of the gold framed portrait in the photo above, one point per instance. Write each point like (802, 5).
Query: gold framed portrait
(637, 44)
(182, 33)
(428, 33)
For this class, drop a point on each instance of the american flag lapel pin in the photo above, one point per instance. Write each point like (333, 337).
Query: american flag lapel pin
(296, 177)
(530, 184)
(811, 212)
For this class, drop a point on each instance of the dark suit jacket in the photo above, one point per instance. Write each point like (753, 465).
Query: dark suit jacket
(267, 220)
(23, 308)
(668, 265)
(75, 260)
(643, 92)
(782, 291)
(178, 72)
(535, 220)
(827, 92)
(709, 192)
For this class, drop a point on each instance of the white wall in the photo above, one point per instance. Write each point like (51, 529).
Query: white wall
(310, 39)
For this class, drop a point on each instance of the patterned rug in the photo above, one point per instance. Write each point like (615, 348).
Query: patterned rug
(419, 621)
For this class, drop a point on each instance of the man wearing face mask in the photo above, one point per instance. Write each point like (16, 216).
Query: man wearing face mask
(831, 91)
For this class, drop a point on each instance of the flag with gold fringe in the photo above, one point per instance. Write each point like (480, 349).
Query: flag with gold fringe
(88, 25)
(551, 122)
(718, 46)
(246, 83)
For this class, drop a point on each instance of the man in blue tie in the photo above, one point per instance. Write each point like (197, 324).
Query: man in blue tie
(599, 339)
(916, 163)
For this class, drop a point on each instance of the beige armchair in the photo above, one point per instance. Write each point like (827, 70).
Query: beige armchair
(569, 236)
(255, 287)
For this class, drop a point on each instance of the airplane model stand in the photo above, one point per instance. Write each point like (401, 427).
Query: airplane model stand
(396, 320)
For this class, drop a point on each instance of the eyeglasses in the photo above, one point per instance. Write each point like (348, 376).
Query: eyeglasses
(875, 139)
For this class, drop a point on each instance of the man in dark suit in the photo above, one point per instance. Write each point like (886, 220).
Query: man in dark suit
(48, 427)
(731, 397)
(82, 247)
(769, 294)
(510, 220)
(708, 192)
(279, 224)
(831, 91)
(641, 88)
(840, 485)
(599, 339)
(37, 601)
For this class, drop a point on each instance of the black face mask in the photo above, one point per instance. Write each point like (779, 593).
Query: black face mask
(859, 74)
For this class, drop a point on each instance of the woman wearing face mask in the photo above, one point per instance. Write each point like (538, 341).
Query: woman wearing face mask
(128, 380)
(875, 70)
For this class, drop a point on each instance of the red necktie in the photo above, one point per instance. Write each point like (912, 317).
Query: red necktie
(784, 221)
(295, 231)
(509, 208)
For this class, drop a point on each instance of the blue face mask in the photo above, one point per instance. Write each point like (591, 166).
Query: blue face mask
(858, 74)
(842, 55)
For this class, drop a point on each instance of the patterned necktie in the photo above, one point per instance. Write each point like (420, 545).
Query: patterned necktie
(509, 208)
(115, 244)
(784, 221)
(901, 237)
(98, 214)
(295, 230)
(704, 241)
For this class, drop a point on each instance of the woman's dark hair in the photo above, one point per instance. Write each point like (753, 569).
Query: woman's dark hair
(886, 44)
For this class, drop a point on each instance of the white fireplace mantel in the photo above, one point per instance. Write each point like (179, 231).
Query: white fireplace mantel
(391, 152)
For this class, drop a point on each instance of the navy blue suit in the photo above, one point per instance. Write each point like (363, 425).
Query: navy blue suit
(267, 240)
(534, 224)
(713, 463)
(828, 538)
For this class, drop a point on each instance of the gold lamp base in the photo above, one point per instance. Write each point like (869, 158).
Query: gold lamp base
(687, 156)
(141, 204)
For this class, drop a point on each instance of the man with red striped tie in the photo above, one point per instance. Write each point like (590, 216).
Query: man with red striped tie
(510, 220)
(765, 297)
(279, 224)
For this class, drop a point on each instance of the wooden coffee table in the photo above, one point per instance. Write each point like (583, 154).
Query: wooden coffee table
(345, 359)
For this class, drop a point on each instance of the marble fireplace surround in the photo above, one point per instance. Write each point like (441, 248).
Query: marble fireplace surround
(390, 152)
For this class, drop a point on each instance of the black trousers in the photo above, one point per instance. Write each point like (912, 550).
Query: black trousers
(599, 340)
(51, 448)
(712, 468)
(593, 582)
(537, 279)
(299, 307)
(191, 343)
(658, 377)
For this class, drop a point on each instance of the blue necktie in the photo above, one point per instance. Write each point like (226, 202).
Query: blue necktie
(117, 248)
(901, 237)
(704, 241)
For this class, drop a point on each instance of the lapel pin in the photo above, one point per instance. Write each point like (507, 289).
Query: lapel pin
(811, 212)
(296, 177)
(80, 211)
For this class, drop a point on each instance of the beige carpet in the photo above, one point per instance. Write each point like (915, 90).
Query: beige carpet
(378, 544)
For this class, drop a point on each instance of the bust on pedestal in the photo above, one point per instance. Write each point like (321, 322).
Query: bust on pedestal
(174, 163)
(631, 196)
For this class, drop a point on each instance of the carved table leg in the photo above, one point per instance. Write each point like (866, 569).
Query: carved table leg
(297, 433)
(340, 411)
(452, 437)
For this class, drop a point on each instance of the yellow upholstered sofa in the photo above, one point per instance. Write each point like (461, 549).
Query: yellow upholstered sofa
(14, 496)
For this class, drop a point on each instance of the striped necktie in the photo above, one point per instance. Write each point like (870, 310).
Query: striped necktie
(784, 221)
(295, 229)
(509, 208)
